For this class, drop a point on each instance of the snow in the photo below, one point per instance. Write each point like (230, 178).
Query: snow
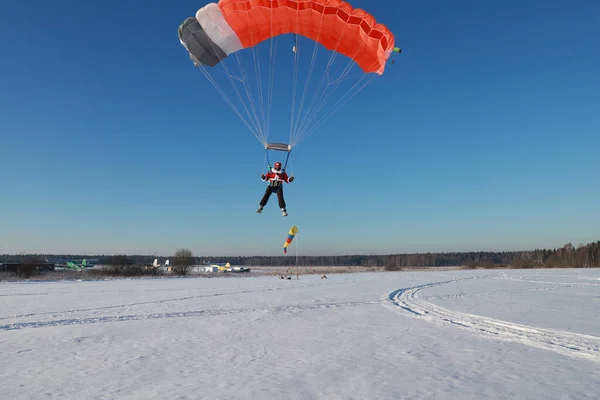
(509, 334)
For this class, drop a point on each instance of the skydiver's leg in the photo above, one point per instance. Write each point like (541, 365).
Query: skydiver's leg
(265, 199)
(280, 198)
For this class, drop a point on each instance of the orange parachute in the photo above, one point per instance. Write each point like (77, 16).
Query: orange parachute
(231, 28)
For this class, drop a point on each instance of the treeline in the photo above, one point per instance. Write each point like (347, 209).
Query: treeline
(585, 256)
(568, 256)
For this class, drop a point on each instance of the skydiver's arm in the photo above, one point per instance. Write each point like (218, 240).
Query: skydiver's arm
(286, 178)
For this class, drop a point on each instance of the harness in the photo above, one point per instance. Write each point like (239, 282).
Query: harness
(276, 182)
(274, 147)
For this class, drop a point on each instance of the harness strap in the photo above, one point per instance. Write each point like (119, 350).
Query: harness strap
(287, 158)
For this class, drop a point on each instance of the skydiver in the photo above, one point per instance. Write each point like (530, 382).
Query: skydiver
(275, 177)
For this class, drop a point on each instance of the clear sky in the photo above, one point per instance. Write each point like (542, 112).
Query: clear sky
(483, 135)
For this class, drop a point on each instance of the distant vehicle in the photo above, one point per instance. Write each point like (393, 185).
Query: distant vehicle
(77, 265)
(226, 267)
(222, 267)
(155, 263)
(63, 261)
(240, 269)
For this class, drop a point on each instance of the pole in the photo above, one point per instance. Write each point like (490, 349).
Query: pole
(297, 274)
(296, 250)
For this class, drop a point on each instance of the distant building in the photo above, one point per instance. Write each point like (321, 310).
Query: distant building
(13, 266)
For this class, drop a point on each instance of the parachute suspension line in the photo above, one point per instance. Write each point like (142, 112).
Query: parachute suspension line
(320, 94)
(231, 104)
(295, 78)
(337, 82)
(256, 131)
(294, 139)
(250, 97)
(260, 92)
(317, 93)
(368, 77)
(339, 104)
(272, 54)
(259, 83)
(332, 112)
(335, 107)
(324, 80)
(308, 128)
(245, 75)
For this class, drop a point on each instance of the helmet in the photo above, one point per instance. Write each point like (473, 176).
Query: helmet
(277, 165)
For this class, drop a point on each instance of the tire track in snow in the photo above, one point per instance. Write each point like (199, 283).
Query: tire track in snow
(167, 300)
(175, 299)
(491, 293)
(562, 342)
(565, 284)
(193, 313)
(140, 303)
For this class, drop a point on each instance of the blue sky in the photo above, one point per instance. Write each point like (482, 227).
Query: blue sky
(484, 135)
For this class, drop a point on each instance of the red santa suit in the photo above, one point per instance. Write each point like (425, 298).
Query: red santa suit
(275, 177)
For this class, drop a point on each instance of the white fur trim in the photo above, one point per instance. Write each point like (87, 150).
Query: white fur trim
(217, 28)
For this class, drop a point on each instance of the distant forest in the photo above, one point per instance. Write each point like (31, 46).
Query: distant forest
(568, 256)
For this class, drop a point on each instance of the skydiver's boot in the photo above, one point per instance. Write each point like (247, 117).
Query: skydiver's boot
(259, 209)
(283, 212)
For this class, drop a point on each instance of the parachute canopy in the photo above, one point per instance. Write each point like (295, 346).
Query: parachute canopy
(231, 25)
(221, 30)
(292, 232)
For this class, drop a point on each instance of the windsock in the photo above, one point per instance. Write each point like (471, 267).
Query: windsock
(291, 234)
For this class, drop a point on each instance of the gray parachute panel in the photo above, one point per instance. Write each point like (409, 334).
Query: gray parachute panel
(203, 51)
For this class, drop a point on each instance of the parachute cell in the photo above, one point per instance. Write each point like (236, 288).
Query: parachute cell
(218, 28)
(203, 51)
(292, 232)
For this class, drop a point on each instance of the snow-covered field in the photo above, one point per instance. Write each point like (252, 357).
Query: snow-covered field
(484, 334)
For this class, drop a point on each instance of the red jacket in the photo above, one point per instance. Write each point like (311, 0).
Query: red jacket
(275, 178)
